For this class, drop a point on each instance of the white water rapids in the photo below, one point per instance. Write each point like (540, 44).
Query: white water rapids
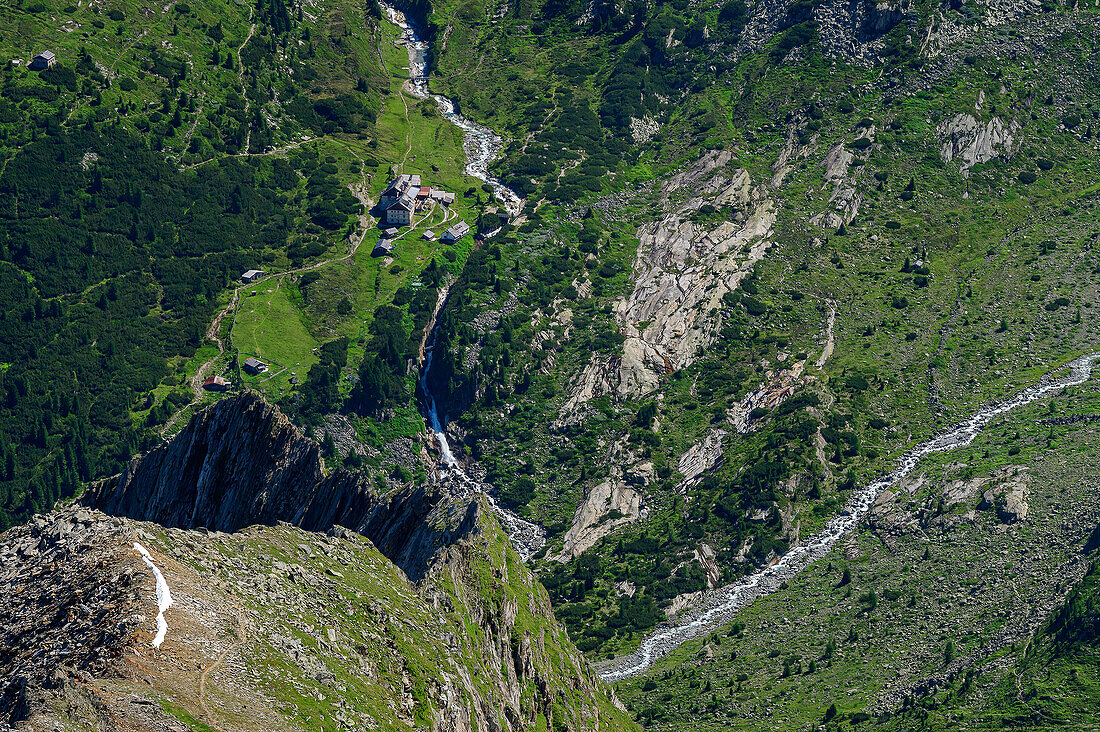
(481, 144)
(526, 537)
(720, 605)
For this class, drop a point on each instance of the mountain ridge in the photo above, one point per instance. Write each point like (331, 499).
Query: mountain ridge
(505, 663)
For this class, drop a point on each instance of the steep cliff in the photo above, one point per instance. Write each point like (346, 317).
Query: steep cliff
(244, 615)
(241, 462)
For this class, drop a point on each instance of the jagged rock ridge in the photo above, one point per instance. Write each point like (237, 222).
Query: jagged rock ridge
(274, 628)
(241, 462)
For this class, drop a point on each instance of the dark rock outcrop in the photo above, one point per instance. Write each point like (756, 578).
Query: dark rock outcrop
(241, 462)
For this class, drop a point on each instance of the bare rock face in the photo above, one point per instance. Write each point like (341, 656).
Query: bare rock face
(241, 462)
(768, 395)
(681, 272)
(608, 506)
(701, 457)
(237, 463)
(1008, 494)
(845, 199)
(971, 142)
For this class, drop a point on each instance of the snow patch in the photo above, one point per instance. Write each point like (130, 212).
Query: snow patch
(164, 596)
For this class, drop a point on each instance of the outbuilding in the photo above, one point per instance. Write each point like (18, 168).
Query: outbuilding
(215, 383)
(44, 60)
(456, 232)
(252, 275)
(254, 366)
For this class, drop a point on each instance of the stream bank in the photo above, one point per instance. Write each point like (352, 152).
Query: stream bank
(720, 605)
(482, 146)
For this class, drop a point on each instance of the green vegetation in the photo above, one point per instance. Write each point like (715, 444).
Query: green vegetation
(957, 586)
(938, 276)
(341, 638)
(268, 327)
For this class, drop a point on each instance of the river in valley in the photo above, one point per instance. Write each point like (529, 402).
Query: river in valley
(481, 144)
(720, 605)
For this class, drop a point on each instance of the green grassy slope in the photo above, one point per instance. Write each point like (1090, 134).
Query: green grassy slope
(138, 177)
(952, 290)
(923, 619)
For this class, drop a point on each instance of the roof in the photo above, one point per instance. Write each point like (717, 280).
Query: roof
(48, 55)
(414, 180)
(424, 191)
(393, 190)
(390, 232)
(214, 380)
(400, 203)
(458, 231)
(253, 362)
(253, 273)
(429, 234)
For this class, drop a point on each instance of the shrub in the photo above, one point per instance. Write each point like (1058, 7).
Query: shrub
(753, 306)
(1044, 163)
(1027, 177)
(1055, 304)
(861, 143)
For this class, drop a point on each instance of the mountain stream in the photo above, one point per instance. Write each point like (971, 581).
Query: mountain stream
(720, 605)
(481, 145)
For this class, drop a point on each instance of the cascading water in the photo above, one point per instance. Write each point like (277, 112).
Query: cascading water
(720, 605)
(481, 145)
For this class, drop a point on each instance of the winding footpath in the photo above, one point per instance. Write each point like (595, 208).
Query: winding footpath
(720, 605)
(241, 637)
(215, 325)
(481, 144)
